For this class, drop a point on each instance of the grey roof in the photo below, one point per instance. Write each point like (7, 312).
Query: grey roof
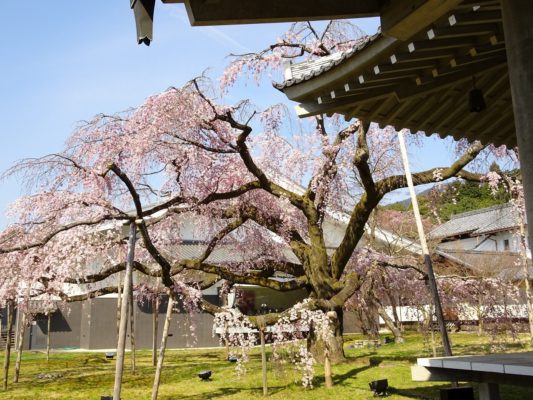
(308, 69)
(478, 222)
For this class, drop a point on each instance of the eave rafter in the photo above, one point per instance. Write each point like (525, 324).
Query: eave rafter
(430, 74)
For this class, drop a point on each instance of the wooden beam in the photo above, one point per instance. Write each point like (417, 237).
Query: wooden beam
(402, 19)
(403, 66)
(459, 62)
(308, 109)
(224, 12)
(449, 43)
(455, 74)
(461, 30)
(475, 17)
(400, 57)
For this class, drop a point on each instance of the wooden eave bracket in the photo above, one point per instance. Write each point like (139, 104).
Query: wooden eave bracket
(402, 19)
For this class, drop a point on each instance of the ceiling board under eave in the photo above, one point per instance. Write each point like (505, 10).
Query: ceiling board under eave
(447, 113)
(223, 12)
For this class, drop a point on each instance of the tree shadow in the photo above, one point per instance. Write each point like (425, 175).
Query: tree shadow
(408, 358)
(420, 393)
(228, 391)
(338, 379)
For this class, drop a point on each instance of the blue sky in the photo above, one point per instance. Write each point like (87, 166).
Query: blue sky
(65, 64)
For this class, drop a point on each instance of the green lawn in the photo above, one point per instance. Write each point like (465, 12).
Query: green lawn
(88, 375)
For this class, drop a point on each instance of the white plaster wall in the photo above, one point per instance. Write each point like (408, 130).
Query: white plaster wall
(333, 232)
(466, 244)
(493, 242)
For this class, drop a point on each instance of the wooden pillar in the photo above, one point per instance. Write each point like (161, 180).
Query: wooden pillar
(518, 32)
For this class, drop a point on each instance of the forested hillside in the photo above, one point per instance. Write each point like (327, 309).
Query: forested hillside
(441, 203)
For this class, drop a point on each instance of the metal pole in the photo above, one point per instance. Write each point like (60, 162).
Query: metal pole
(121, 346)
(427, 259)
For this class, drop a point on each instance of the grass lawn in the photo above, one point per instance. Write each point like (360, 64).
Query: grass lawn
(88, 375)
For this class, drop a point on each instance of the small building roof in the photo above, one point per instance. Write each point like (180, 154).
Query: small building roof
(422, 83)
(478, 222)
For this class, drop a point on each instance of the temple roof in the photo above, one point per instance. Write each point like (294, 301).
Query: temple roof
(423, 83)
(478, 222)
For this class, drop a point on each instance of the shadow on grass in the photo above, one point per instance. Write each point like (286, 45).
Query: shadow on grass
(419, 393)
(223, 392)
(338, 379)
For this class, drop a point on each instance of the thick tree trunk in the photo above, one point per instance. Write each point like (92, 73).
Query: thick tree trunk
(335, 345)
(9, 330)
(157, 378)
(121, 345)
(20, 344)
(391, 324)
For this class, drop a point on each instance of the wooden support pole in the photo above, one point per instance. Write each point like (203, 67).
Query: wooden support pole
(427, 259)
(48, 327)
(20, 344)
(9, 331)
(121, 346)
(132, 329)
(263, 362)
(155, 322)
(119, 300)
(164, 338)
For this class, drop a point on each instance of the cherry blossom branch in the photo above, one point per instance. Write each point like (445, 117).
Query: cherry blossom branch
(247, 158)
(432, 175)
(106, 273)
(141, 224)
(224, 273)
(275, 224)
(89, 295)
(320, 183)
(375, 192)
(59, 230)
(193, 203)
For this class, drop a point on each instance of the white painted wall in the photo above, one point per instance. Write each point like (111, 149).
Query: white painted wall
(493, 242)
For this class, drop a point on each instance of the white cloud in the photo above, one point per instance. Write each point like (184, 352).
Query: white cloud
(212, 32)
